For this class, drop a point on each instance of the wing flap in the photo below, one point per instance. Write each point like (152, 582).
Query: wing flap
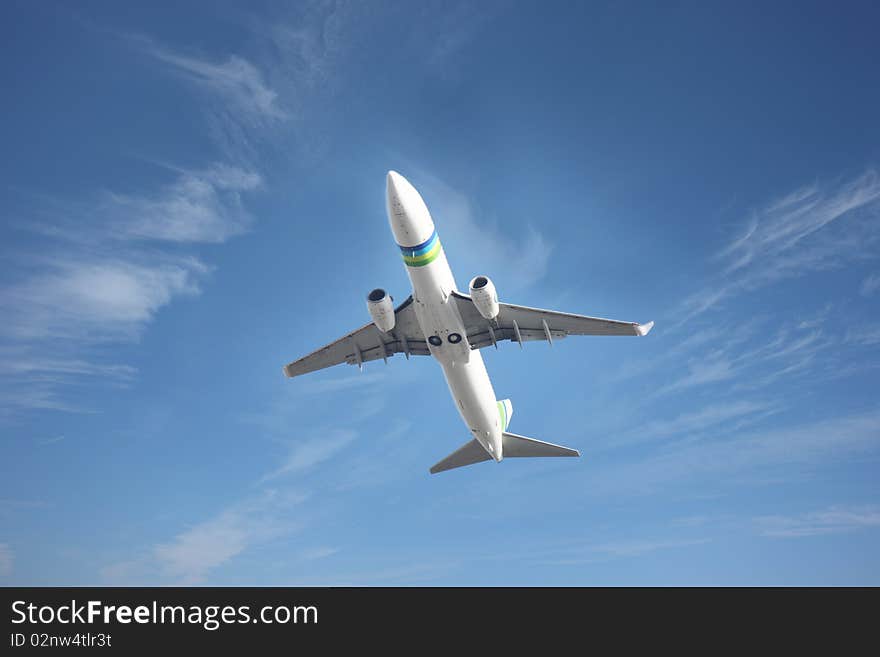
(478, 339)
(367, 344)
(536, 324)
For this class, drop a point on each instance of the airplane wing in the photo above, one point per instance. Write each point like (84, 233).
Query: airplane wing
(521, 323)
(367, 343)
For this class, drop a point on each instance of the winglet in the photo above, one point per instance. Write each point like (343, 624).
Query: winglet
(644, 329)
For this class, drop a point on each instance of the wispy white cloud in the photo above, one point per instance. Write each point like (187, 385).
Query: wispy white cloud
(779, 227)
(370, 469)
(303, 54)
(104, 271)
(738, 412)
(199, 206)
(816, 227)
(684, 348)
(816, 319)
(74, 302)
(305, 455)
(786, 451)
(355, 379)
(8, 506)
(829, 521)
(445, 37)
(194, 553)
(6, 560)
(597, 552)
(19, 396)
(870, 285)
(746, 357)
(639, 547)
(864, 335)
(260, 99)
(713, 369)
(314, 554)
(277, 510)
(233, 78)
(34, 382)
(400, 573)
(691, 521)
(95, 298)
(23, 365)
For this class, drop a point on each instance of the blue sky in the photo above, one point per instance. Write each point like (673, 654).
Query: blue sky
(193, 196)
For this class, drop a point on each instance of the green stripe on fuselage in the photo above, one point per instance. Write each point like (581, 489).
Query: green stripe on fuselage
(425, 258)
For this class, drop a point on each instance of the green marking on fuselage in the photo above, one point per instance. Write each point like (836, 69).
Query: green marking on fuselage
(425, 258)
(502, 413)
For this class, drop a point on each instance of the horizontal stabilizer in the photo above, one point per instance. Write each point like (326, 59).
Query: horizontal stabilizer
(521, 446)
(469, 453)
(512, 446)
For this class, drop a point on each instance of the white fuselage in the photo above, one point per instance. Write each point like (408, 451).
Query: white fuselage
(432, 283)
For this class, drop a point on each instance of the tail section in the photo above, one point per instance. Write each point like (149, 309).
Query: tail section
(505, 412)
(512, 446)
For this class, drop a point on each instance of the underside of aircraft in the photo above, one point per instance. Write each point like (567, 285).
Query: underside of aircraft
(437, 320)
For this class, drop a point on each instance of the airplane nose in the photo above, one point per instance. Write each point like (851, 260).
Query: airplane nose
(395, 201)
(396, 187)
(409, 217)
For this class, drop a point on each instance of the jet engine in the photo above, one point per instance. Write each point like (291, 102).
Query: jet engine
(381, 309)
(484, 296)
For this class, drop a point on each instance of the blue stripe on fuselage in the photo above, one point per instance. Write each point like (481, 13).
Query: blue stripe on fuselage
(419, 249)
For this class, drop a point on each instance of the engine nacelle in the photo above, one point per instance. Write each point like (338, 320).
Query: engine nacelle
(484, 296)
(381, 309)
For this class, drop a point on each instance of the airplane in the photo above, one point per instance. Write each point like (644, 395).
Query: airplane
(437, 320)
